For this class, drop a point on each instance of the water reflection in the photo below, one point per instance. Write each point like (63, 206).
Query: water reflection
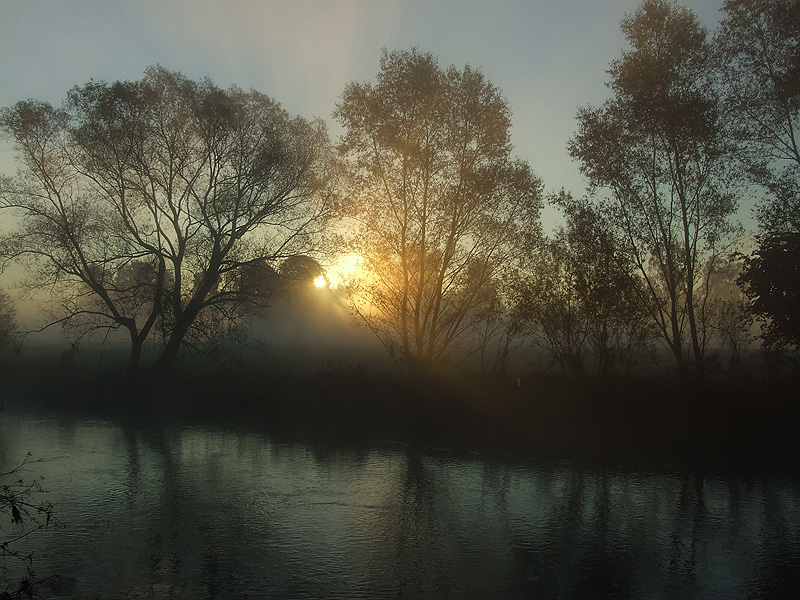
(156, 511)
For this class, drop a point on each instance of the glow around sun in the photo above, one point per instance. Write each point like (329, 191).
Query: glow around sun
(343, 270)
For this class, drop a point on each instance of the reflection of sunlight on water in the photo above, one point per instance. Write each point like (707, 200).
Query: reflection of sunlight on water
(201, 511)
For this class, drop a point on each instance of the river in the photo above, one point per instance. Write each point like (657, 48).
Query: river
(156, 511)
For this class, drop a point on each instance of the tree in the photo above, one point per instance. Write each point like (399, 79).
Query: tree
(658, 147)
(758, 51)
(549, 302)
(438, 204)
(8, 321)
(582, 302)
(302, 272)
(771, 280)
(256, 282)
(139, 200)
(728, 313)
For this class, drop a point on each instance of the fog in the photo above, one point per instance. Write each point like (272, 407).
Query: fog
(309, 330)
(314, 329)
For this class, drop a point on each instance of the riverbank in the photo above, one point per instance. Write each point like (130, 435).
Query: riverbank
(636, 422)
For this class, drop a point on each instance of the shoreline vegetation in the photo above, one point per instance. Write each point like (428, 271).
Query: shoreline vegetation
(625, 422)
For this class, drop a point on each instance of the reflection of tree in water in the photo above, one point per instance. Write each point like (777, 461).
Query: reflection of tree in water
(575, 554)
(419, 551)
(192, 526)
(156, 493)
(605, 565)
(776, 568)
(688, 521)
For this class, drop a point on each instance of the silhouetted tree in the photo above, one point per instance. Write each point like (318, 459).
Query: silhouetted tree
(301, 272)
(257, 282)
(137, 199)
(758, 52)
(582, 300)
(729, 315)
(758, 49)
(503, 330)
(438, 204)
(771, 279)
(658, 147)
(8, 320)
(549, 301)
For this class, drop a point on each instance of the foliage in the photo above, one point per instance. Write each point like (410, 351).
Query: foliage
(727, 314)
(583, 304)
(771, 280)
(299, 274)
(139, 199)
(658, 147)
(438, 205)
(757, 47)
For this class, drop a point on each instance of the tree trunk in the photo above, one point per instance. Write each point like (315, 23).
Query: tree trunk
(135, 357)
(696, 351)
(170, 351)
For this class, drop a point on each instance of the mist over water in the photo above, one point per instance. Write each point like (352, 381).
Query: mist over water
(156, 510)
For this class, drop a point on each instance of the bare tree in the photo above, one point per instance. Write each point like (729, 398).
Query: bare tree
(138, 200)
(438, 204)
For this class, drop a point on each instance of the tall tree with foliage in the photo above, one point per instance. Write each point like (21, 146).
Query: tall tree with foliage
(139, 200)
(758, 49)
(438, 203)
(658, 148)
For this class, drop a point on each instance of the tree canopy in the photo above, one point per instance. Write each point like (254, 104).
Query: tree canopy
(771, 279)
(140, 200)
(580, 299)
(757, 48)
(171, 209)
(438, 204)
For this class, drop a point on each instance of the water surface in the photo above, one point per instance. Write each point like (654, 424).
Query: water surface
(200, 512)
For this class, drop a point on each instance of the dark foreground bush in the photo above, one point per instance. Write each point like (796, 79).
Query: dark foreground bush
(641, 421)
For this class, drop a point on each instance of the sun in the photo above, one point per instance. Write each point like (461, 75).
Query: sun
(320, 281)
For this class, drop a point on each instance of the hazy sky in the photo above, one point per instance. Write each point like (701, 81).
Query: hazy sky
(547, 56)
